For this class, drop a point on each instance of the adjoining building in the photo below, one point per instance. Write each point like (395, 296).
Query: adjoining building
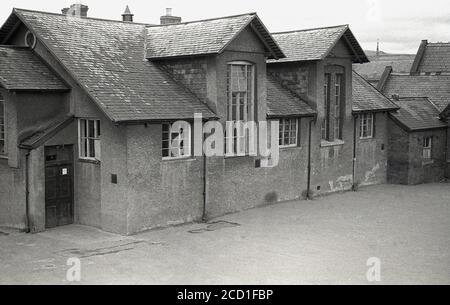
(424, 95)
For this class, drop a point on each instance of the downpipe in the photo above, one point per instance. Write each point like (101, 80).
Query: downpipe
(354, 186)
(308, 188)
(27, 191)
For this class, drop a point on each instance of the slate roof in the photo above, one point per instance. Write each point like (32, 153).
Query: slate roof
(436, 58)
(367, 98)
(417, 113)
(283, 103)
(373, 70)
(20, 69)
(316, 44)
(434, 87)
(107, 58)
(204, 37)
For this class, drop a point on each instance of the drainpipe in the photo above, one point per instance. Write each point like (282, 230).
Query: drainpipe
(27, 191)
(205, 187)
(354, 153)
(308, 190)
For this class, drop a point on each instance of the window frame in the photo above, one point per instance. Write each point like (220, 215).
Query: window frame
(364, 119)
(339, 98)
(248, 107)
(428, 148)
(282, 132)
(4, 154)
(325, 129)
(96, 138)
(169, 141)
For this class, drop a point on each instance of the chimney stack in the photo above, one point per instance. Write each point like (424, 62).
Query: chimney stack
(78, 10)
(169, 19)
(127, 16)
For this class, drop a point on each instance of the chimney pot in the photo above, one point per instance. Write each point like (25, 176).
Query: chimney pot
(169, 19)
(396, 97)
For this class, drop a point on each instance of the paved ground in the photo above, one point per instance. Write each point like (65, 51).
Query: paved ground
(324, 241)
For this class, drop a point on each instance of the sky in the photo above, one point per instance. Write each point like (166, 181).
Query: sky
(399, 25)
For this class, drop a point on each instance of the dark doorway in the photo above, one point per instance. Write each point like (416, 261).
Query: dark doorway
(58, 186)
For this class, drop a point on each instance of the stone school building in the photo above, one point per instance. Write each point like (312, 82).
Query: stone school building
(86, 107)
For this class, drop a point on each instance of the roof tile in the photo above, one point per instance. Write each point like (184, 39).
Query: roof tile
(418, 114)
(368, 98)
(201, 37)
(436, 58)
(314, 44)
(20, 69)
(434, 87)
(108, 59)
(281, 102)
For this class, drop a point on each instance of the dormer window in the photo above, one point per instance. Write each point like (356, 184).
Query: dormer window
(240, 102)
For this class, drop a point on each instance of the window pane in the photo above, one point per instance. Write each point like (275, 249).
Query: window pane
(91, 129)
(91, 148)
(83, 128)
(98, 128)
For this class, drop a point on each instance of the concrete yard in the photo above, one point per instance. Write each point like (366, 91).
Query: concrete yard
(324, 241)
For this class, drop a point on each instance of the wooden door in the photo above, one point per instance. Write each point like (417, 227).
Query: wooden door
(58, 186)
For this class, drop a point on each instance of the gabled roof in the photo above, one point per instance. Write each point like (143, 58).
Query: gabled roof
(367, 98)
(283, 103)
(20, 69)
(417, 113)
(435, 87)
(432, 58)
(107, 59)
(316, 44)
(205, 37)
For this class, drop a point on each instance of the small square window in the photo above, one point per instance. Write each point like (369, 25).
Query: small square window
(176, 141)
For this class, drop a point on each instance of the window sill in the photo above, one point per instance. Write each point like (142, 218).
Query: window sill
(3, 157)
(366, 138)
(92, 161)
(330, 144)
(427, 162)
(290, 147)
(184, 159)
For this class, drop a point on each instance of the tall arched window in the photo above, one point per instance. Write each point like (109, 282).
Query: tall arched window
(240, 99)
(3, 150)
(334, 103)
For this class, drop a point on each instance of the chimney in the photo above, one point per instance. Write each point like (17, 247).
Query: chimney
(78, 10)
(169, 19)
(127, 16)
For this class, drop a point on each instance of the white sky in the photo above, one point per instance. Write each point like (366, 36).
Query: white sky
(399, 24)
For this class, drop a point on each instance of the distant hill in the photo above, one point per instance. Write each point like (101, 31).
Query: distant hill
(373, 70)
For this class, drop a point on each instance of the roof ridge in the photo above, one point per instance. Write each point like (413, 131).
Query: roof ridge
(311, 29)
(437, 43)
(201, 20)
(87, 18)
